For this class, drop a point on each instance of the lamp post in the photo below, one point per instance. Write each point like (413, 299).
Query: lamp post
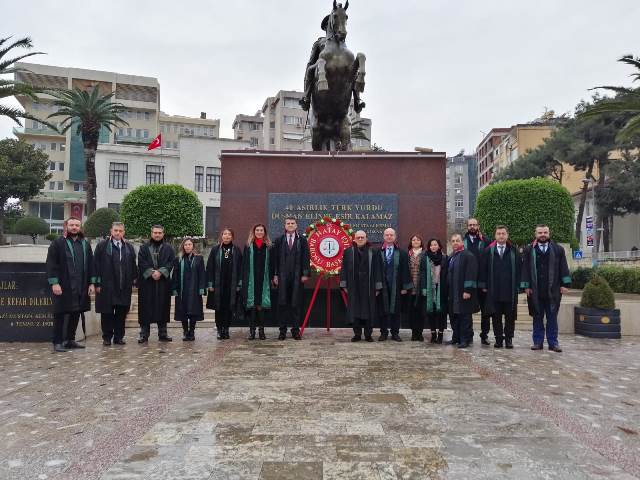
(589, 184)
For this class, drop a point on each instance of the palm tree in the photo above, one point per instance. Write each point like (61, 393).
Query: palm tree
(91, 112)
(11, 88)
(358, 131)
(627, 100)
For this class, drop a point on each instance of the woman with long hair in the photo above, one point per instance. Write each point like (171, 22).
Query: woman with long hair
(256, 277)
(416, 310)
(433, 281)
(224, 273)
(189, 283)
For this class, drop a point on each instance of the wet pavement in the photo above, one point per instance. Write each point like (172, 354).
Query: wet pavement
(322, 408)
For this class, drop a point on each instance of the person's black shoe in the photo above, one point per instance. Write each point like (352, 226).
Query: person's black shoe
(497, 345)
(252, 334)
(165, 338)
(396, 338)
(439, 339)
(72, 344)
(508, 343)
(226, 333)
(434, 337)
(282, 336)
(119, 342)
(59, 348)
(383, 337)
(368, 338)
(414, 337)
(463, 345)
(296, 336)
(185, 337)
(484, 341)
(537, 347)
(143, 340)
(261, 334)
(220, 335)
(356, 338)
(555, 348)
(106, 342)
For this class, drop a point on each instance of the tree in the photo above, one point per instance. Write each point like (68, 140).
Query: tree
(174, 207)
(12, 88)
(626, 100)
(89, 112)
(522, 204)
(358, 131)
(620, 194)
(24, 171)
(32, 226)
(98, 225)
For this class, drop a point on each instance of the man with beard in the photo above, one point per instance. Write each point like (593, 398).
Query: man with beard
(500, 282)
(545, 278)
(361, 279)
(69, 272)
(476, 242)
(115, 272)
(462, 284)
(290, 272)
(155, 260)
(396, 279)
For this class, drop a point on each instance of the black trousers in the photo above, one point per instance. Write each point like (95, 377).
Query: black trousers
(507, 310)
(256, 318)
(462, 325)
(360, 324)
(113, 322)
(436, 321)
(223, 317)
(289, 315)
(391, 322)
(416, 317)
(485, 318)
(189, 325)
(61, 335)
(145, 330)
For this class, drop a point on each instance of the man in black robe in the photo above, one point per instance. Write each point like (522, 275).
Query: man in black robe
(116, 273)
(290, 271)
(361, 279)
(155, 260)
(462, 286)
(396, 279)
(476, 242)
(545, 278)
(500, 282)
(69, 272)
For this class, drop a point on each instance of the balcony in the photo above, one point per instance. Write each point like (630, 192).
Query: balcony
(133, 140)
(47, 132)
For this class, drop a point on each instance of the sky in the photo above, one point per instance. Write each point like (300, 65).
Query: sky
(440, 73)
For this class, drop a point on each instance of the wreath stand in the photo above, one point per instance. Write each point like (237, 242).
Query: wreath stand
(328, 282)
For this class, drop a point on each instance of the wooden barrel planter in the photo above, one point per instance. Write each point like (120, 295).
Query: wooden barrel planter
(597, 323)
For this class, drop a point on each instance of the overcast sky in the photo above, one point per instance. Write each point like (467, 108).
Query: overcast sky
(439, 72)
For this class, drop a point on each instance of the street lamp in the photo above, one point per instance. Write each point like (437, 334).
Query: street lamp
(589, 184)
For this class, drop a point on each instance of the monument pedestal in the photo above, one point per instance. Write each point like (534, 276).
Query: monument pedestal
(368, 190)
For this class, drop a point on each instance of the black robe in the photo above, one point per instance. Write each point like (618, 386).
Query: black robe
(225, 283)
(559, 276)
(261, 280)
(399, 280)
(154, 297)
(462, 277)
(357, 306)
(495, 273)
(426, 296)
(61, 258)
(290, 266)
(114, 276)
(188, 285)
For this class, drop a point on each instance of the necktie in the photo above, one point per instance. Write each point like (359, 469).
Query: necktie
(389, 253)
(119, 250)
(544, 248)
(290, 241)
(501, 250)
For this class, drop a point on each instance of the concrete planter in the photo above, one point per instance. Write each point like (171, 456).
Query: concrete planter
(597, 323)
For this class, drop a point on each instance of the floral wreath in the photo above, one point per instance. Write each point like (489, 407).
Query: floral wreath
(327, 220)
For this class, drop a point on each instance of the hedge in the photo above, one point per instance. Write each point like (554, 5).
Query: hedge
(98, 225)
(620, 279)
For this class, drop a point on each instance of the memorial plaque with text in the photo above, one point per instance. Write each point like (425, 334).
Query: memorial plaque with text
(26, 307)
(371, 212)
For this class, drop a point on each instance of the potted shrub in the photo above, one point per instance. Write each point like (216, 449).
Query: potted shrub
(597, 316)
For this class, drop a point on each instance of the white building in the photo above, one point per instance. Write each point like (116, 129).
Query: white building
(196, 165)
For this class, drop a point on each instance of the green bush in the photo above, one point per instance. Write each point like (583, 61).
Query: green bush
(51, 236)
(174, 207)
(32, 226)
(98, 225)
(580, 276)
(522, 204)
(598, 294)
(620, 279)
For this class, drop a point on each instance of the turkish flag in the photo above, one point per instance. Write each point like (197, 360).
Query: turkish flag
(157, 142)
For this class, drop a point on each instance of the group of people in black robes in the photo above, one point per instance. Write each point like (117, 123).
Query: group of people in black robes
(382, 284)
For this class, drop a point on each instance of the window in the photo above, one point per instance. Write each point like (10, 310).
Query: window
(138, 133)
(61, 166)
(175, 144)
(199, 179)
(255, 126)
(114, 206)
(459, 214)
(146, 116)
(155, 174)
(254, 142)
(272, 141)
(118, 175)
(459, 202)
(60, 185)
(272, 124)
(52, 166)
(291, 120)
(175, 129)
(129, 132)
(63, 147)
(79, 187)
(145, 133)
(290, 102)
(139, 115)
(213, 179)
(54, 147)
(52, 185)
(162, 129)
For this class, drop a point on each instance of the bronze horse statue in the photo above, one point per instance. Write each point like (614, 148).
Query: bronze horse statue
(333, 78)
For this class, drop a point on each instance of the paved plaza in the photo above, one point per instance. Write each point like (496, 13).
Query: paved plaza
(323, 408)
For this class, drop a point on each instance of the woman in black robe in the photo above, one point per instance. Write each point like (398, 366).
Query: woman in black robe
(256, 293)
(224, 272)
(188, 284)
(433, 281)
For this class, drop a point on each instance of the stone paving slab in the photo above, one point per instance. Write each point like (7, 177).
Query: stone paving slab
(323, 408)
